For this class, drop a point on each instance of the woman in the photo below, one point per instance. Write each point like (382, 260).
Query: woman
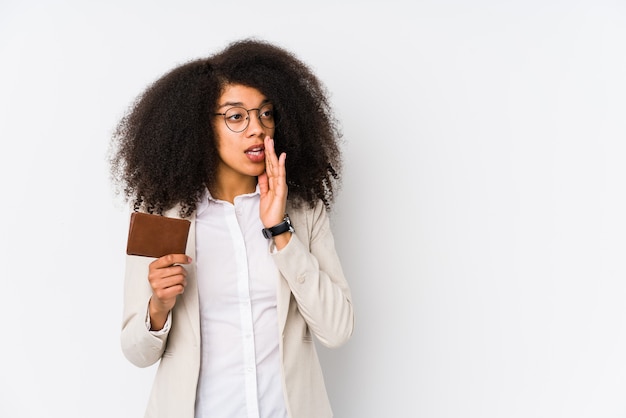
(245, 146)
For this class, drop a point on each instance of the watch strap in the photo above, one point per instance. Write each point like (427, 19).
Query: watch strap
(281, 228)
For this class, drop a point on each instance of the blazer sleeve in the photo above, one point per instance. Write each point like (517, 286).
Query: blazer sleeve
(139, 345)
(310, 265)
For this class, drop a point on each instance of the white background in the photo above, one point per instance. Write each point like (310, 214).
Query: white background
(481, 220)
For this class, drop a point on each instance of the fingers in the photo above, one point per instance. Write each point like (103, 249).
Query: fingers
(168, 279)
(270, 156)
(281, 165)
(274, 166)
(273, 186)
(274, 169)
(169, 260)
(263, 183)
(168, 289)
(168, 276)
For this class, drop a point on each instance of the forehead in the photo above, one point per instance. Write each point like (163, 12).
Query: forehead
(237, 94)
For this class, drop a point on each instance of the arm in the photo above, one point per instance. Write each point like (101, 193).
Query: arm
(150, 286)
(139, 345)
(307, 260)
(314, 275)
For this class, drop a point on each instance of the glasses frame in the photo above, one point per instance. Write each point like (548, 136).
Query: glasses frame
(258, 115)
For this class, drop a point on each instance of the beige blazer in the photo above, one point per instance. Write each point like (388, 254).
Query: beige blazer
(313, 298)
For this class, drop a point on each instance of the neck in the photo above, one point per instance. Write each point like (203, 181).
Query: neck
(229, 191)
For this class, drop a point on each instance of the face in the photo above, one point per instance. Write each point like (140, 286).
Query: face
(242, 156)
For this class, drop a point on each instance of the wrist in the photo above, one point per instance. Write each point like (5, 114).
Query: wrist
(281, 241)
(279, 229)
(156, 308)
(157, 317)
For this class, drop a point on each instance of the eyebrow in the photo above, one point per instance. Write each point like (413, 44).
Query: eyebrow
(240, 104)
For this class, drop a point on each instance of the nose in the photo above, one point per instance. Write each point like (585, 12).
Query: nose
(254, 123)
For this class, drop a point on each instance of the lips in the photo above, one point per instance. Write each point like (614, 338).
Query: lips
(256, 153)
(255, 150)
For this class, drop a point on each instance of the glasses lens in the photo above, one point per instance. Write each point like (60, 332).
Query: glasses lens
(236, 119)
(266, 116)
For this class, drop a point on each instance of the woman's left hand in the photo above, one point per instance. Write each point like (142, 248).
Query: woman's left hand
(273, 186)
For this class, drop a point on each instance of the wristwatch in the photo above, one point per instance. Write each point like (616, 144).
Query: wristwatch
(281, 228)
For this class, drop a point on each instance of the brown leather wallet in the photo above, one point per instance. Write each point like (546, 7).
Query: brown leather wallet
(155, 235)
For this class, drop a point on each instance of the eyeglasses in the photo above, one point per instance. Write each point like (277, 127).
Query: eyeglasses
(237, 119)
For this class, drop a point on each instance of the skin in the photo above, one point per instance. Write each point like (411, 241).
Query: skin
(246, 158)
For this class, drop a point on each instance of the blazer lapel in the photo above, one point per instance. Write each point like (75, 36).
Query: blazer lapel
(189, 299)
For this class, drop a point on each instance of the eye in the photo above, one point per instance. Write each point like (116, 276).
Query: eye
(236, 115)
(266, 113)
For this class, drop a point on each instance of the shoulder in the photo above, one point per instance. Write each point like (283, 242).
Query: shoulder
(173, 212)
(309, 221)
(305, 211)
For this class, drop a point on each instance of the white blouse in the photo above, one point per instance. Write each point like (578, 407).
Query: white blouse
(237, 284)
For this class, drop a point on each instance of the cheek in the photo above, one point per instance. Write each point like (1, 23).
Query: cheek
(223, 150)
(218, 145)
(227, 147)
(222, 139)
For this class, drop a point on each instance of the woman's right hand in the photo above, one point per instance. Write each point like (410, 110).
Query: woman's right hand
(168, 279)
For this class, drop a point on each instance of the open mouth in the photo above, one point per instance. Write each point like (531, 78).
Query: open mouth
(256, 150)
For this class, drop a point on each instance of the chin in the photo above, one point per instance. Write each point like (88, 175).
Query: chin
(256, 172)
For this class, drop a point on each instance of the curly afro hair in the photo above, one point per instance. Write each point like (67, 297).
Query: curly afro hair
(163, 151)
